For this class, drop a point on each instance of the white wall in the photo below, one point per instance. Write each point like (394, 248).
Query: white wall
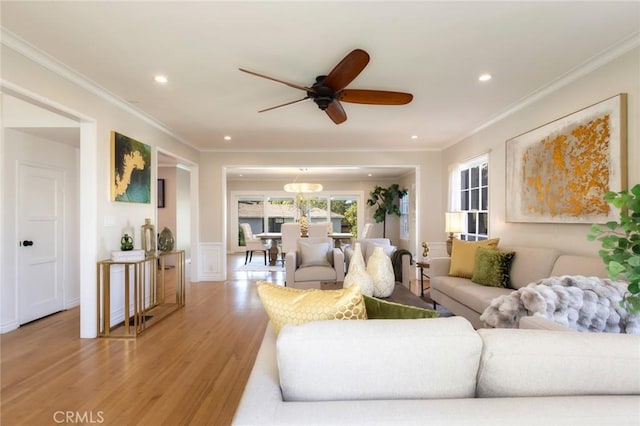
(59, 87)
(176, 215)
(167, 214)
(621, 75)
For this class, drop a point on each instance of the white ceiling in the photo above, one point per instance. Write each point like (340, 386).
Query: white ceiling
(435, 50)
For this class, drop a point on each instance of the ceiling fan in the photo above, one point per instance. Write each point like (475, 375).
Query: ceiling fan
(329, 90)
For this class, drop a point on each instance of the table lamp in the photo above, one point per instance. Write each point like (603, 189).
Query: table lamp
(454, 223)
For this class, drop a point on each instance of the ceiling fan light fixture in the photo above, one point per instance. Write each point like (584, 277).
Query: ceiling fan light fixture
(303, 187)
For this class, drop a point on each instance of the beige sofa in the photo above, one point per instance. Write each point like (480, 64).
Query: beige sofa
(442, 372)
(468, 299)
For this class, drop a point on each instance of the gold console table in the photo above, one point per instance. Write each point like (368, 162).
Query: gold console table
(139, 318)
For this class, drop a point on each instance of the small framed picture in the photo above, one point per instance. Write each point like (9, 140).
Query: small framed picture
(160, 193)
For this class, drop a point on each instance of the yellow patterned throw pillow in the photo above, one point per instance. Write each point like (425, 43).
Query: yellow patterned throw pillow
(286, 305)
(463, 256)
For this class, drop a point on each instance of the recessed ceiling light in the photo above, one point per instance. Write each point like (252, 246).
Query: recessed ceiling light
(161, 79)
(227, 138)
(369, 175)
(414, 136)
(484, 77)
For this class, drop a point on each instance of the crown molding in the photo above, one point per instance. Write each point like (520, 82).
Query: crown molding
(580, 71)
(12, 41)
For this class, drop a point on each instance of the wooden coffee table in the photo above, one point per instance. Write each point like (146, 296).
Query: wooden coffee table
(400, 294)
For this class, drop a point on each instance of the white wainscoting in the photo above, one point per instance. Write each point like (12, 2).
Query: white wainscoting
(211, 265)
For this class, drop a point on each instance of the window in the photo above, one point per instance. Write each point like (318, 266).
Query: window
(473, 195)
(267, 212)
(404, 217)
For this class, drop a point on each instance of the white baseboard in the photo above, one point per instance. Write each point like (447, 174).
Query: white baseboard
(9, 326)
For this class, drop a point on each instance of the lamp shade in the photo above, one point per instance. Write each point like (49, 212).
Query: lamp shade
(455, 222)
(302, 187)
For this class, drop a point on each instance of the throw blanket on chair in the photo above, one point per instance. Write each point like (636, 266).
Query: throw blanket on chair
(396, 261)
(581, 303)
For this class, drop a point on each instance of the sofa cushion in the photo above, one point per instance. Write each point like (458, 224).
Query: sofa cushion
(531, 264)
(589, 266)
(383, 309)
(376, 360)
(315, 273)
(492, 267)
(314, 254)
(519, 363)
(474, 296)
(285, 305)
(463, 255)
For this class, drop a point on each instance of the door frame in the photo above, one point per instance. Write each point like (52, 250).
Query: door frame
(88, 223)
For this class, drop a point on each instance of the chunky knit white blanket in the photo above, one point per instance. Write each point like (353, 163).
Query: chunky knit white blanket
(578, 302)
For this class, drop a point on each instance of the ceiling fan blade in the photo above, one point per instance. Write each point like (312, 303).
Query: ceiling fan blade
(348, 69)
(295, 86)
(285, 104)
(374, 97)
(336, 112)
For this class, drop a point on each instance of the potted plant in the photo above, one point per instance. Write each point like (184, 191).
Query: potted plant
(384, 200)
(621, 243)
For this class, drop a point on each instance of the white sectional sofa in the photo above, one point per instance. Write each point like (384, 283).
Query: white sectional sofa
(468, 299)
(440, 372)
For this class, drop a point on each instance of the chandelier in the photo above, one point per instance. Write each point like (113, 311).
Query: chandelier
(302, 187)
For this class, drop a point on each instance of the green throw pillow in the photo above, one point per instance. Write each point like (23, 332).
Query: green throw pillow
(492, 267)
(381, 309)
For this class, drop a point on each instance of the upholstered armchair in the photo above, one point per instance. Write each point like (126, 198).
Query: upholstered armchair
(401, 259)
(315, 260)
(252, 244)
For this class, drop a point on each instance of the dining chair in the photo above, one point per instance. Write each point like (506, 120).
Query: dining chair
(366, 231)
(252, 244)
(318, 229)
(290, 235)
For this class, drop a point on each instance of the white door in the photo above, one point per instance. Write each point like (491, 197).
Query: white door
(40, 252)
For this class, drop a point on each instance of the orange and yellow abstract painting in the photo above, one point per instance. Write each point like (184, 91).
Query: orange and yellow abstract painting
(561, 171)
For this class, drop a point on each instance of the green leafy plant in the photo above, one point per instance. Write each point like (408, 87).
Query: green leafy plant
(385, 201)
(621, 243)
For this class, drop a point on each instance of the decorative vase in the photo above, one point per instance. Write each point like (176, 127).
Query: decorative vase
(304, 226)
(358, 274)
(166, 241)
(126, 242)
(381, 270)
(148, 232)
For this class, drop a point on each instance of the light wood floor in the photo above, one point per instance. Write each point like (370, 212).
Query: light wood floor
(190, 368)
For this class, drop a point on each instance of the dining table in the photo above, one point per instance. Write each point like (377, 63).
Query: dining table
(274, 237)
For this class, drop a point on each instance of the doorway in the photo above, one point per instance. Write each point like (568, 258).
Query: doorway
(174, 209)
(41, 185)
(33, 118)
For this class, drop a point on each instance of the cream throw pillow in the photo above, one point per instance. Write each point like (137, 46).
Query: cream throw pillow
(285, 305)
(314, 254)
(463, 256)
